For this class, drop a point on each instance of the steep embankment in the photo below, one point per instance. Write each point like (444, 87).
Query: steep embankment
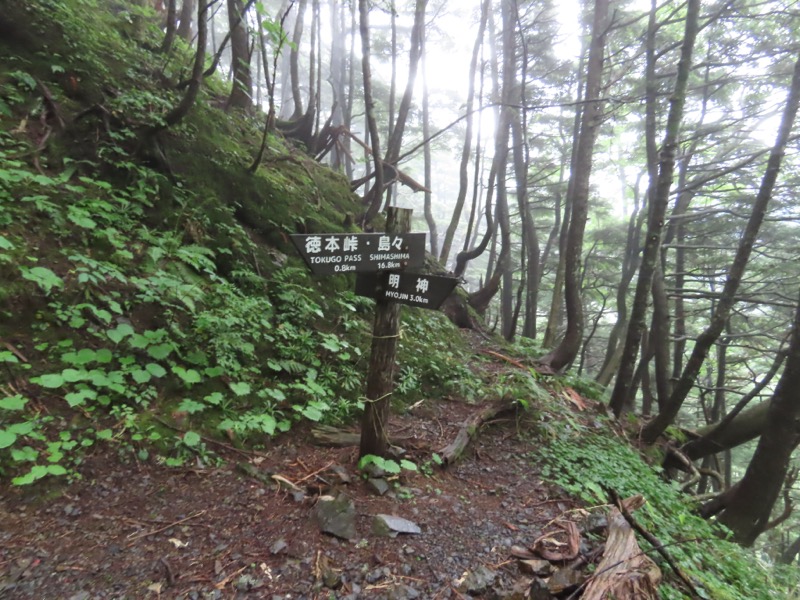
(148, 276)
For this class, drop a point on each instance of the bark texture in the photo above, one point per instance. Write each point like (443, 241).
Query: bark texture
(380, 378)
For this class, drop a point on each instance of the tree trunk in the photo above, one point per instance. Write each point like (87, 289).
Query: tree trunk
(242, 90)
(294, 61)
(196, 80)
(415, 53)
(566, 351)
(739, 425)
(728, 297)
(185, 21)
(658, 202)
(433, 236)
(169, 36)
(530, 237)
(372, 197)
(466, 150)
(747, 510)
(787, 556)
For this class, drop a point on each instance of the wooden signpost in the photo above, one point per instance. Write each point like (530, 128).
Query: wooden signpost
(379, 260)
(413, 289)
(335, 253)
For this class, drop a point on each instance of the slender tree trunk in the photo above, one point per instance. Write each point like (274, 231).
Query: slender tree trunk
(374, 196)
(294, 60)
(559, 234)
(630, 263)
(417, 40)
(242, 90)
(169, 36)
(433, 235)
(196, 80)
(566, 351)
(728, 297)
(659, 200)
(787, 556)
(530, 237)
(466, 150)
(338, 72)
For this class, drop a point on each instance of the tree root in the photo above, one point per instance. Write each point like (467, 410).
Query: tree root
(469, 430)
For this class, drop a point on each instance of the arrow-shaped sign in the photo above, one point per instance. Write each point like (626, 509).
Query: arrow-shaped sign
(414, 289)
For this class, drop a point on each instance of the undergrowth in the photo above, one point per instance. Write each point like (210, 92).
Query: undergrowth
(588, 465)
(137, 311)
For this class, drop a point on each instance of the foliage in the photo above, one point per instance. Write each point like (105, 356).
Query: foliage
(387, 465)
(133, 298)
(434, 358)
(588, 465)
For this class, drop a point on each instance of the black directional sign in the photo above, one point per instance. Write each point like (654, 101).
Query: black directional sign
(335, 253)
(414, 289)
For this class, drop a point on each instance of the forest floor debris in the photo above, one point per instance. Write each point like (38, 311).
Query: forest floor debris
(139, 530)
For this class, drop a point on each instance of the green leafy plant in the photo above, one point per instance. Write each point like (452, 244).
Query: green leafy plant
(590, 464)
(387, 465)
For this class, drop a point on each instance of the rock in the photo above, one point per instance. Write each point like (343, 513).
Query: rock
(246, 583)
(533, 566)
(538, 590)
(336, 516)
(564, 578)
(389, 525)
(278, 546)
(379, 486)
(402, 592)
(375, 575)
(341, 474)
(331, 579)
(519, 591)
(595, 523)
(477, 581)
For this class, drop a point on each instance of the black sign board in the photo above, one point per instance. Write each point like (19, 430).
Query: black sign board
(414, 289)
(335, 253)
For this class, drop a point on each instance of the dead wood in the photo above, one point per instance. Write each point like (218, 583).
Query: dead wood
(549, 548)
(626, 507)
(469, 429)
(625, 571)
(325, 435)
(508, 359)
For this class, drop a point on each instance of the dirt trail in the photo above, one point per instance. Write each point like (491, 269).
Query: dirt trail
(146, 531)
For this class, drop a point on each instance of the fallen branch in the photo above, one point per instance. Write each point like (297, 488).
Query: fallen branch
(509, 360)
(469, 430)
(164, 528)
(325, 435)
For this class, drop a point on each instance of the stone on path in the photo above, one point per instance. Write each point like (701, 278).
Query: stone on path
(336, 516)
(389, 525)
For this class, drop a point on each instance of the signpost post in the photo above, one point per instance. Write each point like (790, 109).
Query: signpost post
(379, 260)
